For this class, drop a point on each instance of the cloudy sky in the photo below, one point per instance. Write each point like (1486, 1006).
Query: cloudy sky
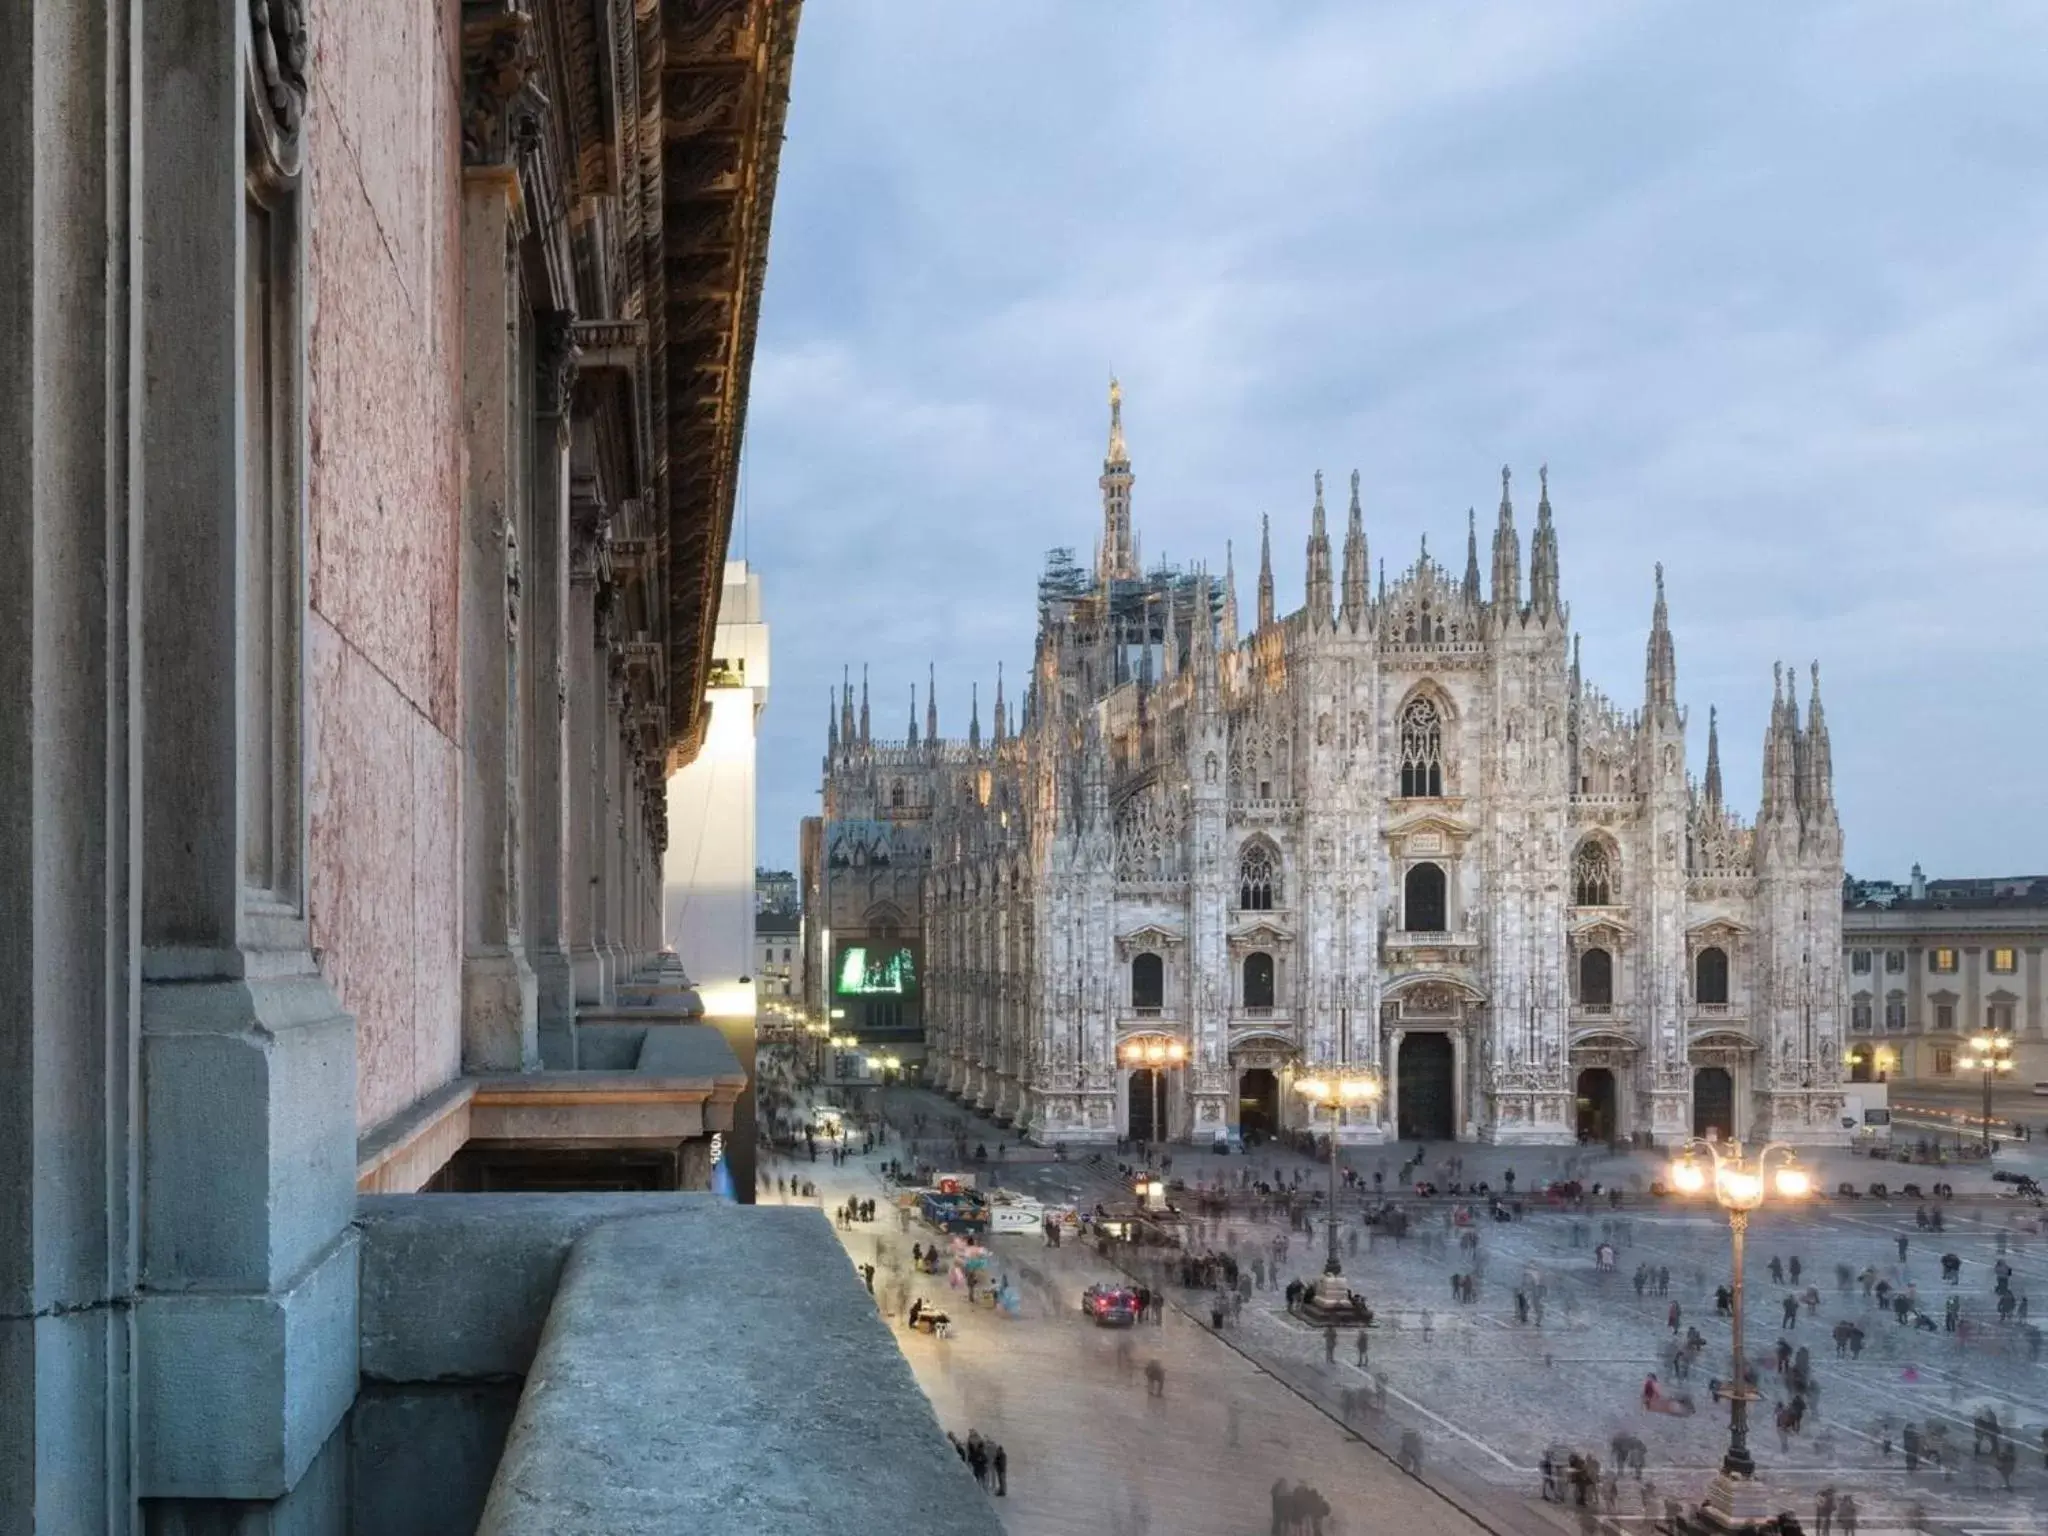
(1765, 285)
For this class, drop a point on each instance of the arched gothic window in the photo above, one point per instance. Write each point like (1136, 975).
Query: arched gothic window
(1258, 980)
(1258, 878)
(1148, 981)
(1422, 750)
(1593, 875)
(1428, 905)
(1596, 978)
(1710, 976)
(896, 794)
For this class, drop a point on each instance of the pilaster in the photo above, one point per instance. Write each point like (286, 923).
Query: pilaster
(498, 986)
(244, 1324)
(548, 637)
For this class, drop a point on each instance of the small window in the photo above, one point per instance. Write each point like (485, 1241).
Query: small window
(1148, 981)
(1710, 977)
(1945, 1017)
(1895, 1012)
(1258, 878)
(1422, 750)
(2005, 961)
(1596, 979)
(1998, 1018)
(1593, 875)
(1859, 961)
(1944, 1061)
(1859, 1016)
(1428, 903)
(1258, 980)
(1894, 962)
(1942, 961)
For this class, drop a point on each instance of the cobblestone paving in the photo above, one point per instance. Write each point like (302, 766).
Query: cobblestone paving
(1488, 1396)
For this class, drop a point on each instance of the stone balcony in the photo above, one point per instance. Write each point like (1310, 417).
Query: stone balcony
(1419, 950)
(634, 1364)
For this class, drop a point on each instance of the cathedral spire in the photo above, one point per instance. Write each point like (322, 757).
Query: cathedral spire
(1660, 667)
(1170, 644)
(1357, 562)
(1507, 555)
(1318, 582)
(831, 723)
(863, 704)
(1712, 789)
(1002, 721)
(1229, 599)
(1472, 594)
(1265, 570)
(912, 737)
(1820, 758)
(846, 733)
(1577, 677)
(931, 703)
(974, 716)
(1117, 560)
(1543, 596)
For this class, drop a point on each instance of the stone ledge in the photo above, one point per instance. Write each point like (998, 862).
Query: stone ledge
(399, 1155)
(720, 1370)
(457, 1287)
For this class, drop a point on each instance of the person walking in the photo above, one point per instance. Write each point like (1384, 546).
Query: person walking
(1845, 1514)
(1364, 1346)
(1330, 1345)
(1824, 1511)
(999, 1463)
(977, 1457)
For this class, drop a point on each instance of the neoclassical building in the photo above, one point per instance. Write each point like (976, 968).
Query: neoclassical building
(1396, 829)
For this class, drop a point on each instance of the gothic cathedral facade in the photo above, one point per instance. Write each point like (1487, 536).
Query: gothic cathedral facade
(1395, 830)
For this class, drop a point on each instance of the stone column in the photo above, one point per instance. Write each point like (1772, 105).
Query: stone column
(498, 990)
(244, 1325)
(548, 641)
(1393, 1074)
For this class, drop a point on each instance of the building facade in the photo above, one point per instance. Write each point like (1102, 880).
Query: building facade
(778, 955)
(1396, 829)
(1930, 963)
(708, 868)
(375, 377)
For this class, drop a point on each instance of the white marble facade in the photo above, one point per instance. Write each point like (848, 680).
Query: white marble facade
(1395, 829)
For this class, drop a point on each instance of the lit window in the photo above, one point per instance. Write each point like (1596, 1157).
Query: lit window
(1942, 961)
(1944, 1062)
(2005, 961)
(1859, 961)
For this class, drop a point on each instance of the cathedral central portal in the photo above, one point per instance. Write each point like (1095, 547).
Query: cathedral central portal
(1427, 1087)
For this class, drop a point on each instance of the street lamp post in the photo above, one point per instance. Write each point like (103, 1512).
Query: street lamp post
(1338, 1088)
(1739, 1184)
(1993, 1055)
(1156, 1055)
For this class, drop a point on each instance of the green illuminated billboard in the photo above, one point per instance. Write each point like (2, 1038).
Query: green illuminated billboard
(865, 972)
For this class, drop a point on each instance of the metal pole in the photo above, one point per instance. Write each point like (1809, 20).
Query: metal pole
(1989, 1058)
(1738, 1462)
(1331, 1266)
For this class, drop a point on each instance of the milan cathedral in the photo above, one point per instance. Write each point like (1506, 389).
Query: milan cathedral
(1395, 830)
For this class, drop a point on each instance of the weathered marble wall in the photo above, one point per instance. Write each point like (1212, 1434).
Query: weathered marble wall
(385, 376)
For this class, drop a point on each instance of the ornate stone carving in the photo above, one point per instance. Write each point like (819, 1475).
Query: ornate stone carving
(555, 359)
(276, 87)
(499, 57)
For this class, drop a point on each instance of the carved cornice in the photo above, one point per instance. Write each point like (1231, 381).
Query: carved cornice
(274, 91)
